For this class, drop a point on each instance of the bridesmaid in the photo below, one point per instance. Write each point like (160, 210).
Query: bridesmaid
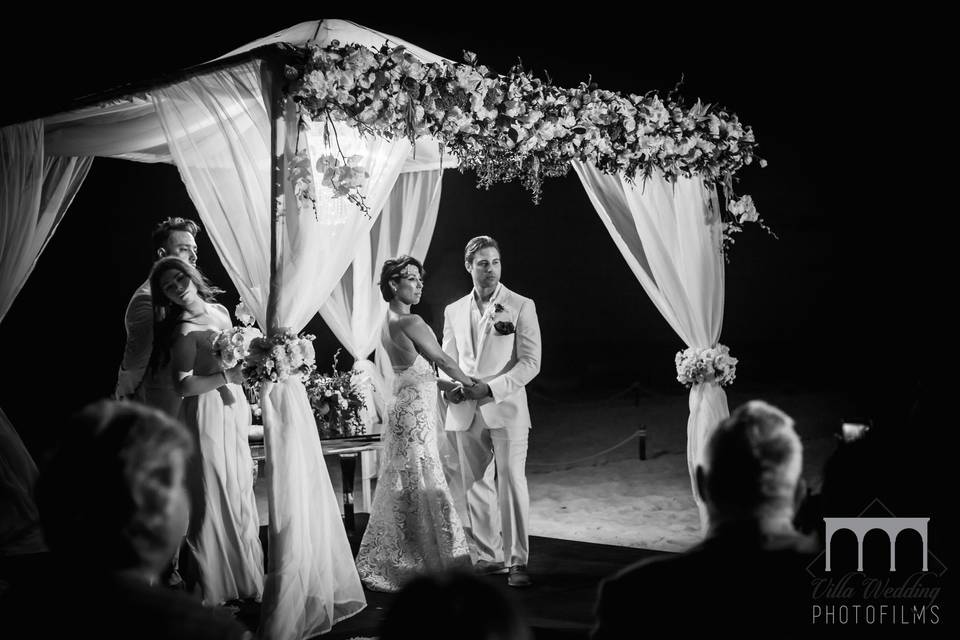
(223, 535)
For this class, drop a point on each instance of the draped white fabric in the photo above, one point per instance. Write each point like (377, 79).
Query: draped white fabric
(670, 236)
(35, 192)
(226, 168)
(127, 129)
(316, 555)
(356, 310)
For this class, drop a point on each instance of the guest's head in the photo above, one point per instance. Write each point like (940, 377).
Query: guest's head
(453, 605)
(176, 237)
(751, 468)
(112, 494)
(481, 257)
(401, 279)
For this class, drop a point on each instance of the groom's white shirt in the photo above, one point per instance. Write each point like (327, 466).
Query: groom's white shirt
(505, 362)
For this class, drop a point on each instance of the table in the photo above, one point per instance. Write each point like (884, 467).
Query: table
(349, 450)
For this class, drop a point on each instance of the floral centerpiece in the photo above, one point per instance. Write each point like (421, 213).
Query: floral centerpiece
(711, 364)
(337, 402)
(514, 126)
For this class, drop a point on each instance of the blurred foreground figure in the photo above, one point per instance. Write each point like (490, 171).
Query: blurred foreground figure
(749, 572)
(114, 506)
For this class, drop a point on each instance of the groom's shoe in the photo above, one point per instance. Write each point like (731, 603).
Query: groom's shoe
(518, 576)
(487, 567)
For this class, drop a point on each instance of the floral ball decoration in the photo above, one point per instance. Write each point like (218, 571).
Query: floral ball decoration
(337, 402)
(514, 126)
(711, 364)
(278, 357)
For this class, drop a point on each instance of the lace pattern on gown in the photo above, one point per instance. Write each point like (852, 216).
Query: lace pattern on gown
(414, 527)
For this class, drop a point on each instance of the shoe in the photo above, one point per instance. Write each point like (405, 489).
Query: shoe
(487, 567)
(518, 576)
(175, 581)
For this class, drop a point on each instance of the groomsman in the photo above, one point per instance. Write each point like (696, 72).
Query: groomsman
(495, 336)
(171, 237)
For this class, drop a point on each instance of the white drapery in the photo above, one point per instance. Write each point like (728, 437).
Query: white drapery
(670, 236)
(35, 192)
(311, 581)
(355, 311)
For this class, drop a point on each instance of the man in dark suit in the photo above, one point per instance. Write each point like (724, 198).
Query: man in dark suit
(749, 572)
(113, 505)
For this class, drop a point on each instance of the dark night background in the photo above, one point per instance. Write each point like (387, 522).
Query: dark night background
(839, 301)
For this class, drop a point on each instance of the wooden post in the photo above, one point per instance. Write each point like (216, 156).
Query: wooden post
(273, 82)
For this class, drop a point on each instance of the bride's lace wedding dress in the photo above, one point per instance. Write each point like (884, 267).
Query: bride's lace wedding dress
(414, 527)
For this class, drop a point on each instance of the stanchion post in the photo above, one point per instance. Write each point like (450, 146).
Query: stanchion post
(642, 442)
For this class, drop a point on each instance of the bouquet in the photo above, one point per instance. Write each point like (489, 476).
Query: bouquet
(275, 358)
(713, 364)
(337, 402)
(230, 346)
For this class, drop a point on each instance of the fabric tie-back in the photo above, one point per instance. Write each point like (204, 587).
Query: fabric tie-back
(670, 236)
(227, 174)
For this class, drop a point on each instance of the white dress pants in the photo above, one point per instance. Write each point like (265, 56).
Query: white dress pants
(492, 468)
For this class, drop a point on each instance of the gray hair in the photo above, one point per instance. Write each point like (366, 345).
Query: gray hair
(753, 460)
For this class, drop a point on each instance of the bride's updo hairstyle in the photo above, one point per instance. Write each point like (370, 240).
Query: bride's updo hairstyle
(167, 314)
(392, 269)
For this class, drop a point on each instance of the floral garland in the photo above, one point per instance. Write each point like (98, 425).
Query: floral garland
(712, 364)
(337, 402)
(515, 127)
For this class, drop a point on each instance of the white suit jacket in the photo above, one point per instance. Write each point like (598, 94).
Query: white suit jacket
(134, 380)
(506, 362)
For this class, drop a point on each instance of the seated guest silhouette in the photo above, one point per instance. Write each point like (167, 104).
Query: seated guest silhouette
(749, 572)
(113, 506)
(453, 604)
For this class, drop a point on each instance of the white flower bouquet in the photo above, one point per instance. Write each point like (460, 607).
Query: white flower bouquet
(230, 346)
(712, 364)
(278, 357)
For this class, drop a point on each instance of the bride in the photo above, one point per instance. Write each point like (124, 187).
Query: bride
(414, 527)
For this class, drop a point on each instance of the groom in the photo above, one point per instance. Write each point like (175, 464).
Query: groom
(494, 335)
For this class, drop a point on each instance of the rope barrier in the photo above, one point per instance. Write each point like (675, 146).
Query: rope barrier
(633, 388)
(639, 433)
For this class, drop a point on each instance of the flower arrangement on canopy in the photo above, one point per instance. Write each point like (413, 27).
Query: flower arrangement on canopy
(514, 126)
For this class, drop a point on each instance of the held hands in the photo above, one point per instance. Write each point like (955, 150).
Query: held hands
(477, 391)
